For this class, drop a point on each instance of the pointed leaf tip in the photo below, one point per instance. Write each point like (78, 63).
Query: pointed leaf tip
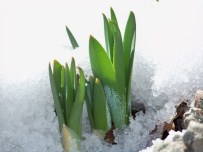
(113, 15)
(100, 63)
(72, 38)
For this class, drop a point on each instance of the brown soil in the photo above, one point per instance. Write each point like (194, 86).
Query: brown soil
(177, 123)
(109, 137)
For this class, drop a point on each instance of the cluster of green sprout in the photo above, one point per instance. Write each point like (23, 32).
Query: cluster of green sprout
(107, 93)
(68, 91)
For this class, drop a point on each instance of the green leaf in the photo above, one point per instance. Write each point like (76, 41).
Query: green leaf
(57, 102)
(128, 41)
(115, 72)
(57, 70)
(92, 81)
(111, 28)
(57, 75)
(130, 71)
(69, 93)
(73, 75)
(113, 16)
(108, 38)
(62, 77)
(88, 100)
(118, 63)
(99, 107)
(80, 94)
(128, 94)
(72, 38)
(63, 90)
(116, 106)
(120, 75)
(101, 65)
(75, 120)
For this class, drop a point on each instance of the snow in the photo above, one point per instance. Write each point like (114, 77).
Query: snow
(28, 122)
(167, 68)
(170, 138)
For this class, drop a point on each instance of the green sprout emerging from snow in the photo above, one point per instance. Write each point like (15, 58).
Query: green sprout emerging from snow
(68, 91)
(107, 94)
(97, 107)
(113, 67)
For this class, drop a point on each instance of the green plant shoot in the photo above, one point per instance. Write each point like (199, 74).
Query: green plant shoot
(97, 107)
(68, 91)
(113, 66)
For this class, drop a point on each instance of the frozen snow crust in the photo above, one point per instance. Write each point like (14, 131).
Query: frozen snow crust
(167, 68)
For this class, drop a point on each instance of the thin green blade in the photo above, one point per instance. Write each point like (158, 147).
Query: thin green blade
(120, 73)
(108, 38)
(128, 105)
(72, 38)
(92, 81)
(128, 41)
(57, 75)
(81, 87)
(118, 63)
(113, 16)
(100, 63)
(63, 91)
(57, 102)
(88, 105)
(75, 120)
(111, 27)
(69, 93)
(99, 107)
(88, 100)
(130, 70)
(62, 77)
(73, 75)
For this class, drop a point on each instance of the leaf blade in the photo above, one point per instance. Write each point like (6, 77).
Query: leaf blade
(57, 102)
(118, 63)
(99, 107)
(128, 92)
(108, 38)
(113, 16)
(69, 93)
(100, 63)
(73, 76)
(57, 75)
(88, 99)
(128, 41)
(72, 38)
(75, 120)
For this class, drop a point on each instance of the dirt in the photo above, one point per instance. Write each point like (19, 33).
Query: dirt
(109, 137)
(177, 123)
